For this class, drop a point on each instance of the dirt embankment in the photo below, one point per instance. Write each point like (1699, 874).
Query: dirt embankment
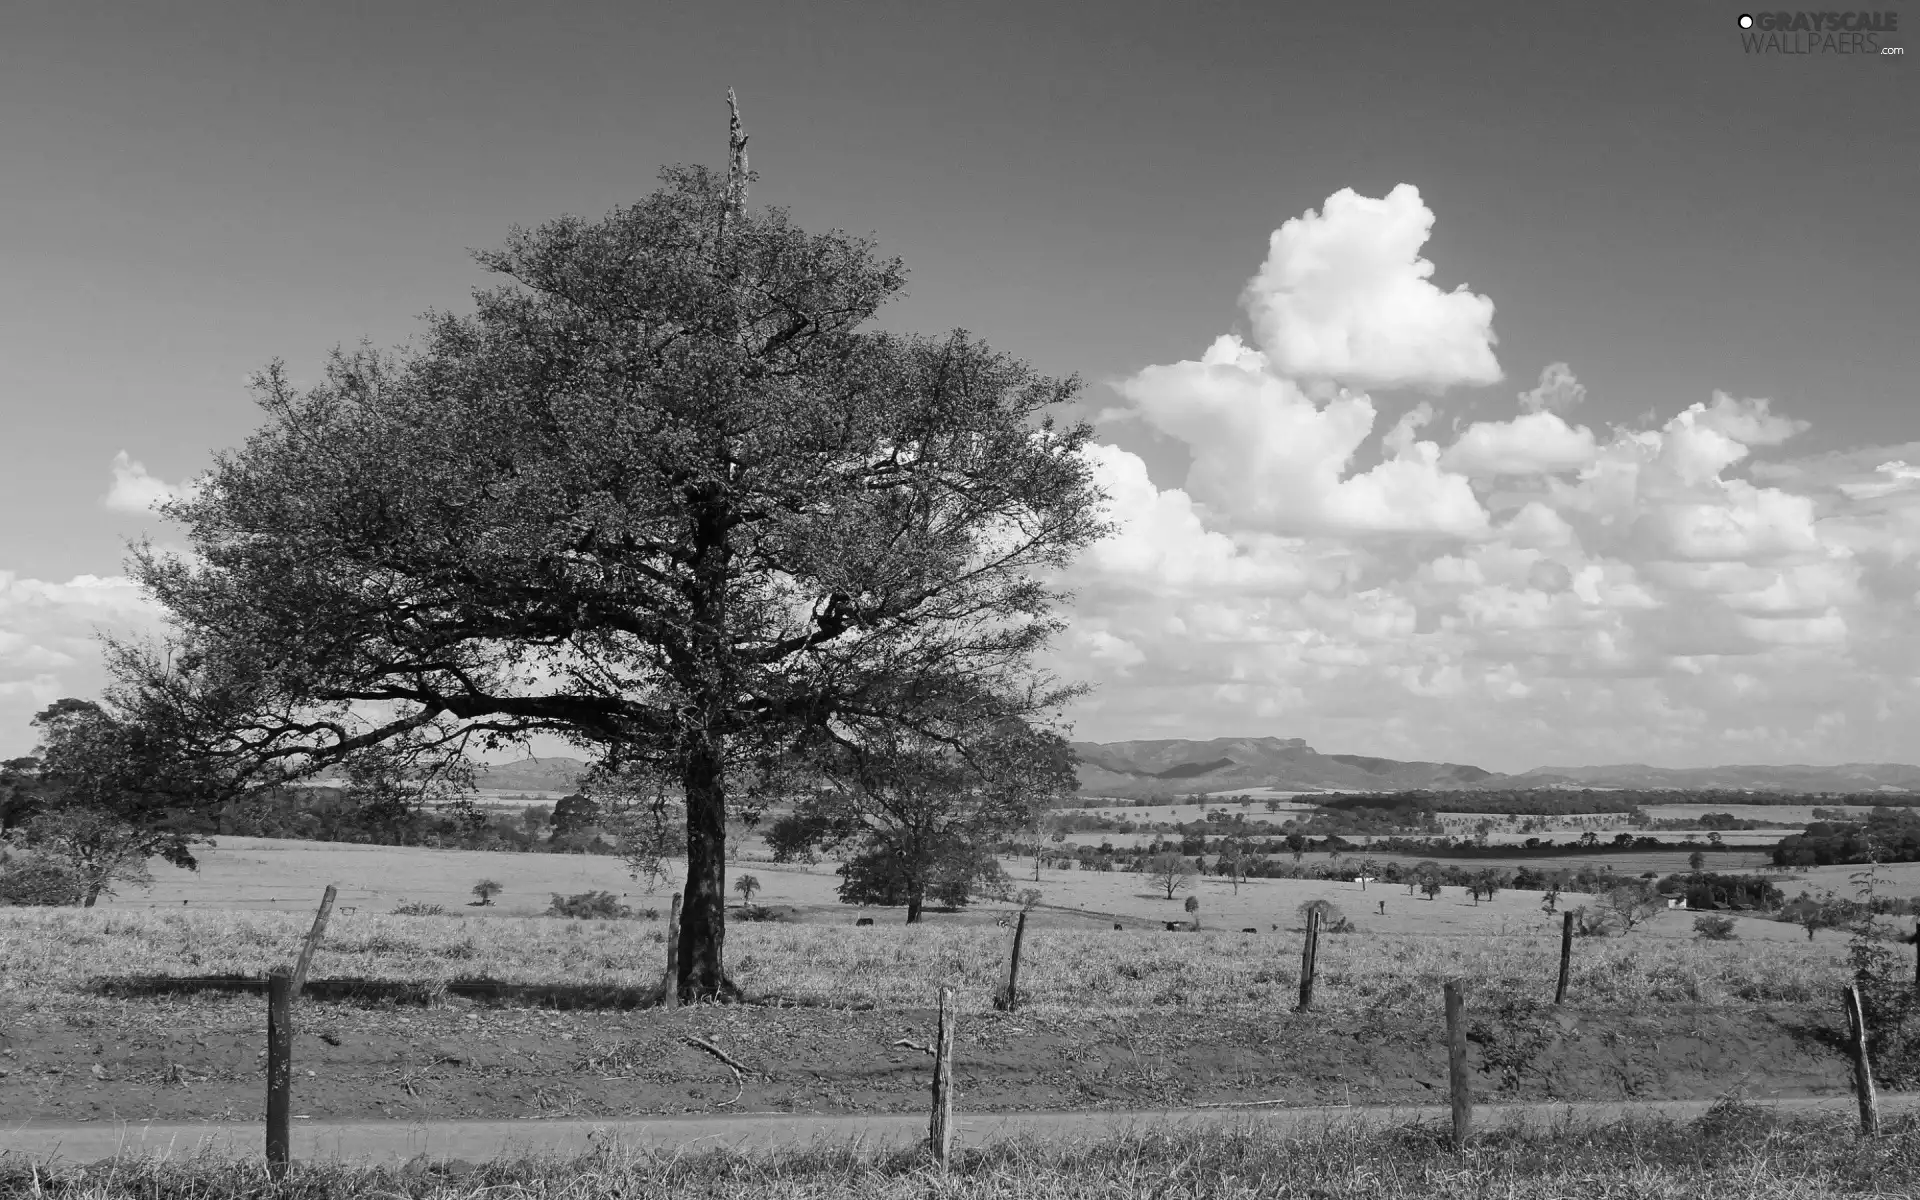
(205, 1060)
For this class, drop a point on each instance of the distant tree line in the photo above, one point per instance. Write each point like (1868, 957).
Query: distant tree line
(1887, 834)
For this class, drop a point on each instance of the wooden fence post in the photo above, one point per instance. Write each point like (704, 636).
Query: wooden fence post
(1458, 1085)
(1307, 956)
(1566, 956)
(314, 935)
(1916, 956)
(940, 1129)
(1863, 1089)
(1006, 1000)
(279, 1070)
(670, 990)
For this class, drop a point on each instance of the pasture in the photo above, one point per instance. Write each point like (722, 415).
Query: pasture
(1139, 1016)
(274, 875)
(1797, 814)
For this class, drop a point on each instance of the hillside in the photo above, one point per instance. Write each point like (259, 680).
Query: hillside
(1844, 777)
(530, 774)
(1154, 769)
(1139, 770)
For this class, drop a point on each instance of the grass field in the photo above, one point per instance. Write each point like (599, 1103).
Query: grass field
(1135, 1017)
(266, 874)
(1735, 1151)
(252, 900)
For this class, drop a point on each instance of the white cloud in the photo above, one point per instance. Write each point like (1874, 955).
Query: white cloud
(1896, 477)
(1344, 295)
(1558, 391)
(48, 646)
(1536, 443)
(135, 490)
(1266, 456)
(1521, 592)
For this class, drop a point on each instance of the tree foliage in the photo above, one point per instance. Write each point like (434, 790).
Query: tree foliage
(103, 795)
(665, 494)
(1170, 871)
(924, 808)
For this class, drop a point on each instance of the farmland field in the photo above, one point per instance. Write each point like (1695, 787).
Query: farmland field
(1797, 814)
(1138, 1016)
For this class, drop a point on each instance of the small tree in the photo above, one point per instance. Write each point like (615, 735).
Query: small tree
(1430, 887)
(574, 814)
(1233, 863)
(1695, 861)
(1550, 899)
(1632, 904)
(1812, 913)
(99, 850)
(1170, 871)
(487, 889)
(746, 885)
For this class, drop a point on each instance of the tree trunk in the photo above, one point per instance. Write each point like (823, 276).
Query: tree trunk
(916, 902)
(703, 914)
(93, 893)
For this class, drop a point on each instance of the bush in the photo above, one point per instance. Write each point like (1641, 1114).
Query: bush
(1592, 922)
(413, 908)
(588, 906)
(1714, 928)
(35, 881)
(1332, 920)
(487, 889)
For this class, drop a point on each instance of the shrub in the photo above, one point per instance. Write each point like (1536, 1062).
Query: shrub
(1591, 922)
(588, 906)
(1332, 920)
(487, 889)
(1714, 928)
(413, 908)
(36, 881)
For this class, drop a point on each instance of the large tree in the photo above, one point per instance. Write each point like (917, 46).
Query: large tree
(665, 493)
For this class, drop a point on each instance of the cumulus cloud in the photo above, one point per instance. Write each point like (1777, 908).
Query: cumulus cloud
(1344, 295)
(1267, 456)
(1515, 593)
(134, 489)
(1894, 477)
(48, 646)
(1558, 392)
(1537, 443)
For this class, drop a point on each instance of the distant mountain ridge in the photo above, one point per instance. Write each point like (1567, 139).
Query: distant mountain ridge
(1139, 770)
(1180, 767)
(530, 775)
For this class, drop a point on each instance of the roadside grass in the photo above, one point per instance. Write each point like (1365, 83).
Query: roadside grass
(47, 957)
(1735, 1150)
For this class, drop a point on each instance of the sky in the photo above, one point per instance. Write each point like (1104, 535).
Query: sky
(1511, 384)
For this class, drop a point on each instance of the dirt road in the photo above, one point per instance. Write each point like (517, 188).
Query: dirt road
(139, 1063)
(375, 1142)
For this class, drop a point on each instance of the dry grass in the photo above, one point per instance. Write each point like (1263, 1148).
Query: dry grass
(47, 956)
(1734, 1151)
